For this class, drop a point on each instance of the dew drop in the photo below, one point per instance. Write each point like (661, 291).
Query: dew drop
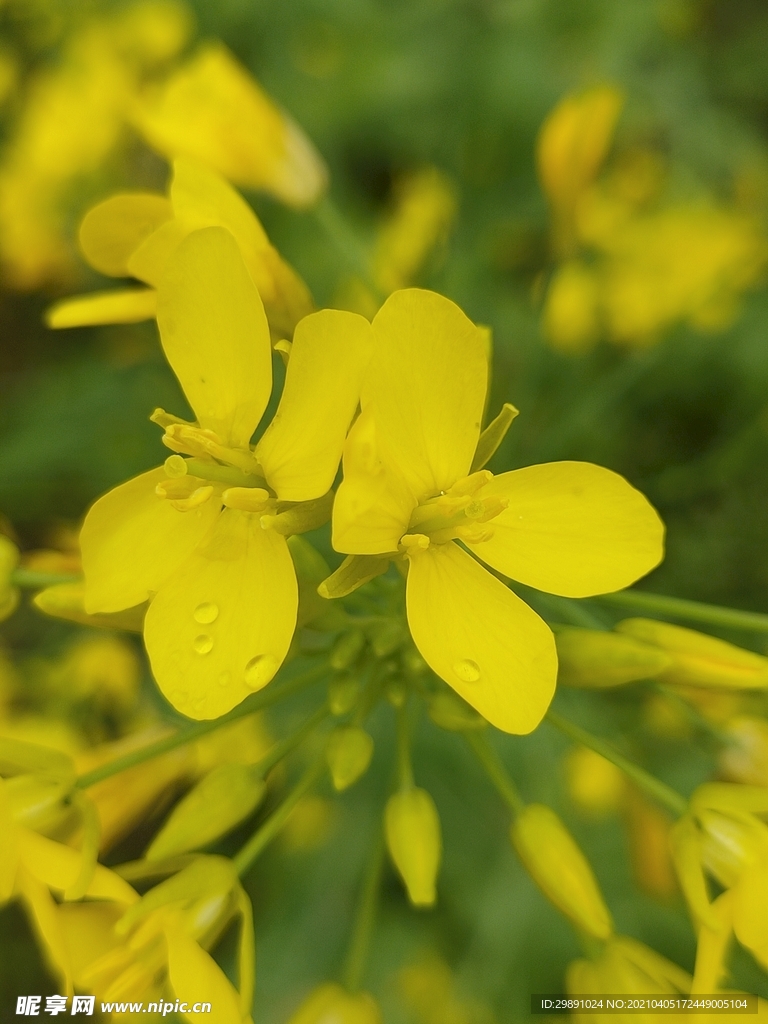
(203, 644)
(467, 670)
(260, 670)
(223, 678)
(206, 612)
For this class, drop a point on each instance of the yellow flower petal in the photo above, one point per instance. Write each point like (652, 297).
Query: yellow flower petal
(301, 448)
(132, 541)
(212, 110)
(481, 638)
(426, 388)
(571, 528)
(203, 198)
(88, 933)
(58, 866)
(111, 231)
(47, 925)
(215, 334)
(221, 626)
(750, 899)
(115, 306)
(373, 505)
(196, 978)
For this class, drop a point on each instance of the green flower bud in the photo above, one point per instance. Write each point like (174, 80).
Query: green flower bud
(349, 753)
(597, 659)
(559, 868)
(412, 828)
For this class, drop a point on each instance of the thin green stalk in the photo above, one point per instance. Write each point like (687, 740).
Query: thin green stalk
(32, 579)
(693, 715)
(259, 701)
(290, 743)
(694, 611)
(365, 916)
(495, 770)
(275, 822)
(404, 766)
(342, 235)
(655, 788)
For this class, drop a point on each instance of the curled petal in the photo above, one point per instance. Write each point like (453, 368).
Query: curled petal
(571, 528)
(112, 231)
(221, 626)
(481, 638)
(115, 306)
(132, 541)
(196, 978)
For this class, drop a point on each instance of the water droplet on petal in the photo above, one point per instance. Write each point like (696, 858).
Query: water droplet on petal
(206, 612)
(223, 678)
(203, 644)
(260, 670)
(467, 670)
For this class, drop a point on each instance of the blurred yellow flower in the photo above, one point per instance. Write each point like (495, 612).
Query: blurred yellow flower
(211, 109)
(134, 235)
(430, 992)
(412, 487)
(159, 946)
(222, 582)
(596, 786)
(72, 120)
(9, 595)
(745, 759)
(332, 1004)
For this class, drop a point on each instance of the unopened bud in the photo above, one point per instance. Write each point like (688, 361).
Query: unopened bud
(559, 868)
(349, 753)
(346, 649)
(449, 711)
(331, 1004)
(699, 659)
(414, 841)
(343, 692)
(594, 658)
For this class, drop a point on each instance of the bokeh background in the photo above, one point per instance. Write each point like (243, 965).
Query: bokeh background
(386, 88)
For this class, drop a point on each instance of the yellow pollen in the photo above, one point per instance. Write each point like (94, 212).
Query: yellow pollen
(414, 542)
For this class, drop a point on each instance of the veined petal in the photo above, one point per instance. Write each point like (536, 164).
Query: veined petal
(215, 334)
(301, 448)
(115, 306)
(221, 626)
(132, 541)
(481, 638)
(426, 388)
(195, 977)
(571, 528)
(111, 231)
(373, 504)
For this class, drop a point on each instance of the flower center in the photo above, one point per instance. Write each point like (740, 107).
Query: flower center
(461, 513)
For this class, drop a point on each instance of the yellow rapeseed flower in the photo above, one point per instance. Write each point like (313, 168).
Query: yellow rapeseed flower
(332, 1004)
(158, 948)
(212, 110)
(134, 234)
(596, 786)
(413, 487)
(221, 579)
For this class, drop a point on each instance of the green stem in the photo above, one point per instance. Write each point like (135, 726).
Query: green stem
(680, 608)
(290, 743)
(257, 702)
(365, 915)
(344, 238)
(272, 826)
(404, 766)
(495, 770)
(31, 579)
(655, 788)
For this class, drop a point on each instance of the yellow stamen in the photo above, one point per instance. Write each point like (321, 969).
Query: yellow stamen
(195, 500)
(247, 499)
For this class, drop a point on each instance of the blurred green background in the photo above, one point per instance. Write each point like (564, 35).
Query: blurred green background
(383, 88)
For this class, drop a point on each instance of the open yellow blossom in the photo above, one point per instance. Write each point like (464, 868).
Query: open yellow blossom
(212, 110)
(33, 866)
(158, 948)
(222, 583)
(413, 486)
(134, 234)
(723, 837)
